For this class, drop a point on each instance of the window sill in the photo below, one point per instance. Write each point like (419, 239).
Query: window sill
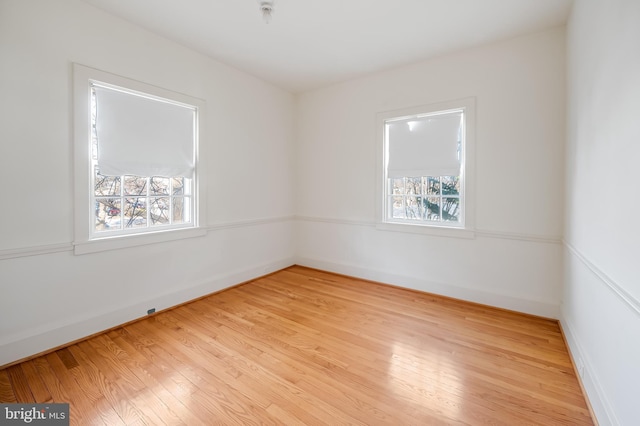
(436, 231)
(127, 241)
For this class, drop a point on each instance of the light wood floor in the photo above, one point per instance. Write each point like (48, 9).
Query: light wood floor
(308, 347)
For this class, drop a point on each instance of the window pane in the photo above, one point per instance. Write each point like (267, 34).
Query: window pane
(179, 213)
(159, 186)
(397, 210)
(413, 208)
(450, 185)
(135, 212)
(433, 208)
(107, 185)
(135, 185)
(413, 185)
(422, 207)
(178, 185)
(442, 201)
(433, 185)
(397, 186)
(159, 211)
(451, 209)
(107, 214)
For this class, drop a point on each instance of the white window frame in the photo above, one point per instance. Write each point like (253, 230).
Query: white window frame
(466, 227)
(85, 239)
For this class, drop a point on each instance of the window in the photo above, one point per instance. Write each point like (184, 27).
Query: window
(426, 166)
(131, 134)
(136, 146)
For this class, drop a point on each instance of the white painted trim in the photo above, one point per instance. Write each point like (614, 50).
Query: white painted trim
(52, 335)
(594, 392)
(534, 307)
(334, 221)
(250, 222)
(482, 233)
(629, 300)
(62, 247)
(127, 241)
(547, 239)
(84, 248)
(35, 250)
(431, 230)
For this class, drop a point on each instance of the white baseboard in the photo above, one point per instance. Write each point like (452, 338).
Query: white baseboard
(53, 335)
(594, 392)
(534, 307)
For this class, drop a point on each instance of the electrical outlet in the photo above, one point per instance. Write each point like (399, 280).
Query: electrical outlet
(151, 311)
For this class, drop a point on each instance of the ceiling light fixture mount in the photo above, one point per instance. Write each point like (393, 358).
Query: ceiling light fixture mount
(266, 7)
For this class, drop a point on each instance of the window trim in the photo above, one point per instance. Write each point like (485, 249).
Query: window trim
(85, 241)
(467, 228)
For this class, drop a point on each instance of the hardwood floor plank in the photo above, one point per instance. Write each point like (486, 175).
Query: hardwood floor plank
(300, 362)
(445, 335)
(284, 416)
(256, 365)
(81, 409)
(407, 312)
(213, 394)
(307, 347)
(114, 390)
(67, 358)
(20, 384)
(89, 383)
(155, 380)
(39, 390)
(7, 396)
(171, 372)
(350, 349)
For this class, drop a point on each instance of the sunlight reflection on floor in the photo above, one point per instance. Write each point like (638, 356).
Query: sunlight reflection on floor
(427, 378)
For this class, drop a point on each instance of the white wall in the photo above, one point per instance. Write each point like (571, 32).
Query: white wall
(601, 302)
(48, 296)
(515, 261)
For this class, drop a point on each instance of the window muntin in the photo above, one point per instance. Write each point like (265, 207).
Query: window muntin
(128, 204)
(124, 203)
(424, 199)
(424, 196)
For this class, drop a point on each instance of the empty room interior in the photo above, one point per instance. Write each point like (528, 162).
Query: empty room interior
(321, 212)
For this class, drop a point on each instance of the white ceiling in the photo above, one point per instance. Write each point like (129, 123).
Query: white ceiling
(313, 43)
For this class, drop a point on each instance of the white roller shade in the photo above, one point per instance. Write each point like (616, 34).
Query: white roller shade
(142, 136)
(424, 146)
